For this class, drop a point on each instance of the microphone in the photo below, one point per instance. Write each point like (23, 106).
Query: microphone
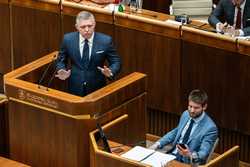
(45, 72)
(52, 77)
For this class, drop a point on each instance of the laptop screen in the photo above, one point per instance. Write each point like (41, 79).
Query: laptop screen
(104, 138)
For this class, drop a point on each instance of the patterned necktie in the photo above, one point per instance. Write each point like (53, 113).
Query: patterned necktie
(187, 134)
(238, 18)
(85, 54)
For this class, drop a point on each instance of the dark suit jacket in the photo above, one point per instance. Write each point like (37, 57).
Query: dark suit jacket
(84, 80)
(224, 12)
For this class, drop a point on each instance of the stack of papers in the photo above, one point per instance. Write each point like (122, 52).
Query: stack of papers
(247, 38)
(147, 156)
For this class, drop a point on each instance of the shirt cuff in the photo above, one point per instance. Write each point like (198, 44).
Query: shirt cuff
(194, 157)
(241, 33)
(217, 27)
(158, 145)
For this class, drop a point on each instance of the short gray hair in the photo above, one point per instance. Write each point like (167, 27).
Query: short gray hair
(84, 15)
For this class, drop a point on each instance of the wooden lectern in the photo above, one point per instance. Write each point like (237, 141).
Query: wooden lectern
(50, 128)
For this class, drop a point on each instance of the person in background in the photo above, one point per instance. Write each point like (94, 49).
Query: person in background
(231, 17)
(194, 137)
(87, 51)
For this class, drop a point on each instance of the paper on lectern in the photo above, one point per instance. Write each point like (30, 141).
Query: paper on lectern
(148, 156)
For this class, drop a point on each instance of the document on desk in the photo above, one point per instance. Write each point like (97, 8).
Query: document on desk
(138, 153)
(247, 38)
(158, 158)
(148, 156)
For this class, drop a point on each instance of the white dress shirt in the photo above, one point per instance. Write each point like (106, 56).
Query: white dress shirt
(81, 44)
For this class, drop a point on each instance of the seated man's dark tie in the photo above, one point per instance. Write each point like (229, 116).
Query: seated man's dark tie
(187, 134)
(85, 54)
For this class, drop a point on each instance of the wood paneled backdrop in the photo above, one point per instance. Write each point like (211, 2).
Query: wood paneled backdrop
(174, 66)
(5, 43)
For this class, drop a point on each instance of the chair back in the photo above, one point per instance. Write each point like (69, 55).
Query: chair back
(212, 150)
(228, 158)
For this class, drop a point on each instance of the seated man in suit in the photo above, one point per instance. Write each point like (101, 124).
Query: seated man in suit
(87, 51)
(231, 17)
(194, 137)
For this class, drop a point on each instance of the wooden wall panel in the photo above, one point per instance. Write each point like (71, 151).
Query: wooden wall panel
(243, 89)
(218, 73)
(69, 25)
(104, 20)
(5, 43)
(158, 57)
(35, 33)
(158, 6)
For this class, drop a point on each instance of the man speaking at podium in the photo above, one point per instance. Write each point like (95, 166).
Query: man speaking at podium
(193, 139)
(87, 51)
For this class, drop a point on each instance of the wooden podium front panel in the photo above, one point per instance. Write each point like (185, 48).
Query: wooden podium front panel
(41, 138)
(46, 139)
(36, 30)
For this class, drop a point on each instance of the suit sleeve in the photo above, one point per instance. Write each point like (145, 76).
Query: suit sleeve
(113, 58)
(216, 14)
(206, 145)
(246, 31)
(170, 136)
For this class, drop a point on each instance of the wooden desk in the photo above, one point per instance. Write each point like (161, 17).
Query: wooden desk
(4, 162)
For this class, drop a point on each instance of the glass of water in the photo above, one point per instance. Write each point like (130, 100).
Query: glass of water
(139, 6)
(133, 6)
